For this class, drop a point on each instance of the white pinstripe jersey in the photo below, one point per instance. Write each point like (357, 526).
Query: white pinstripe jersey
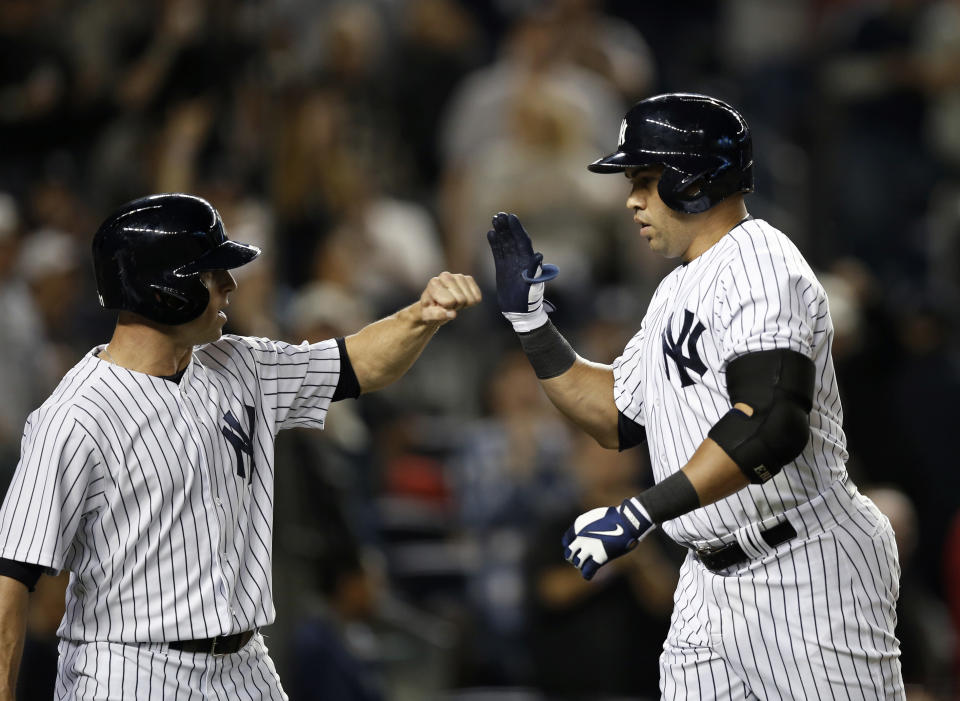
(158, 496)
(751, 291)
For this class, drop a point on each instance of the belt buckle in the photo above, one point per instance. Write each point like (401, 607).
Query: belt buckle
(712, 550)
(213, 644)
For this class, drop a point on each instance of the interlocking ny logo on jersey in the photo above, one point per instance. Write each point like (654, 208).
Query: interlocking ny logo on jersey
(674, 348)
(240, 440)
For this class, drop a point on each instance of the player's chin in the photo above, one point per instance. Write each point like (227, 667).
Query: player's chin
(216, 330)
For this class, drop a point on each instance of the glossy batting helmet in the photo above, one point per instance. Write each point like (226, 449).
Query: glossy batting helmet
(148, 256)
(702, 143)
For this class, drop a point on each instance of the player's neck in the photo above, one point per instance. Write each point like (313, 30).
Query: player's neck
(714, 225)
(141, 348)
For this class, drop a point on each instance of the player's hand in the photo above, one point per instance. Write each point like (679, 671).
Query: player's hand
(520, 273)
(604, 533)
(445, 294)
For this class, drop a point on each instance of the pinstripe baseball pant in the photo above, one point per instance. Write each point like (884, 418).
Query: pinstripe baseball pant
(105, 671)
(814, 619)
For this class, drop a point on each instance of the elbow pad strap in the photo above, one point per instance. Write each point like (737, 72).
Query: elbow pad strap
(778, 385)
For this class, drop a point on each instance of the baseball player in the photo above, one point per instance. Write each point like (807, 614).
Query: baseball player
(789, 587)
(148, 473)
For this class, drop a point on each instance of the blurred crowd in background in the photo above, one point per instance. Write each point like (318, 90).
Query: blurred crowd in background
(364, 145)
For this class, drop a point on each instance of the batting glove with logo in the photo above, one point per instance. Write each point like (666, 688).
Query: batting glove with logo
(605, 533)
(520, 274)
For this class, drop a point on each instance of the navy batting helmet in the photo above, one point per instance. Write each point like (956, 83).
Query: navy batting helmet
(148, 256)
(702, 143)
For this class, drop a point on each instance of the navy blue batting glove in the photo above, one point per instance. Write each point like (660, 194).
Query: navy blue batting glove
(520, 274)
(605, 533)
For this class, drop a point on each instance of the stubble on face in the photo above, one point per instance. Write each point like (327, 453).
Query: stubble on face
(664, 228)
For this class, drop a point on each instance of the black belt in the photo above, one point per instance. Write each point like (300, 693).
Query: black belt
(725, 556)
(218, 645)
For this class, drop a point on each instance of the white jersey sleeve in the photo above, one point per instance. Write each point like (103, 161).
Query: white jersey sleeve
(298, 381)
(767, 298)
(628, 379)
(58, 482)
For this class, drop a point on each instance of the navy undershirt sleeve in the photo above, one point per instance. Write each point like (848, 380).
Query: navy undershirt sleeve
(22, 572)
(347, 385)
(630, 432)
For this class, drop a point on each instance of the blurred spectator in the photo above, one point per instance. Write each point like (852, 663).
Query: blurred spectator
(319, 182)
(323, 478)
(686, 39)
(944, 249)
(35, 85)
(605, 45)
(38, 289)
(530, 112)
(508, 470)
(438, 42)
(611, 625)
(875, 134)
(18, 335)
(865, 347)
(537, 169)
(938, 49)
(330, 645)
(766, 50)
(927, 642)
(924, 391)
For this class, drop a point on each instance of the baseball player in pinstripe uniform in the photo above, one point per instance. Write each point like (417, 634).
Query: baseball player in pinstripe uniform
(148, 473)
(790, 584)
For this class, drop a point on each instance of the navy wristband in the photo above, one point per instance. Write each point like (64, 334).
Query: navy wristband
(549, 352)
(670, 498)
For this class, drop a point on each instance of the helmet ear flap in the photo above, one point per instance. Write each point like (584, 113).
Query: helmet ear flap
(178, 304)
(675, 191)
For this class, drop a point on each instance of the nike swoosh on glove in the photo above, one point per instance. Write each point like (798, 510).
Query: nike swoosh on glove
(605, 533)
(520, 274)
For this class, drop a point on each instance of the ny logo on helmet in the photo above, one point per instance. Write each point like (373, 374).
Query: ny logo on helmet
(623, 133)
(674, 348)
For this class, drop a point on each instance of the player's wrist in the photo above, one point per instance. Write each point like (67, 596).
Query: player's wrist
(524, 322)
(415, 318)
(669, 498)
(548, 351)
(636, 519)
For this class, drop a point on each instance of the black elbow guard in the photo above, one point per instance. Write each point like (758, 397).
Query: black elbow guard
(778, 385)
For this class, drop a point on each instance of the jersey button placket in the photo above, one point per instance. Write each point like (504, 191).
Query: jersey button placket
(211, 504)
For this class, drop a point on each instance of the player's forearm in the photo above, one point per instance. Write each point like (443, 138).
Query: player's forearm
(383, 351)
(584, 394)
(713, 474)
(13, 614)
(709, 475)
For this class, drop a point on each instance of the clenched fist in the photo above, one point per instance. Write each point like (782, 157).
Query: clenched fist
(445, 294)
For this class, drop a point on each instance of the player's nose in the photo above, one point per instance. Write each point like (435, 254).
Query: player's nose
(636, 201)
(225, 280)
